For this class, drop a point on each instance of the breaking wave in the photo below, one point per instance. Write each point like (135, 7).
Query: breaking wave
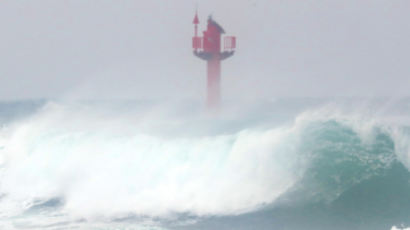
(90, 162)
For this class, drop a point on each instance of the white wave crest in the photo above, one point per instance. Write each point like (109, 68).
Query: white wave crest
(110, 164)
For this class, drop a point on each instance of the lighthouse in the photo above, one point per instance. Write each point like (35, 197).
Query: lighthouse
(208, 48)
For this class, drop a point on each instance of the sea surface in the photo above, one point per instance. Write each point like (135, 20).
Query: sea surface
(282, 164)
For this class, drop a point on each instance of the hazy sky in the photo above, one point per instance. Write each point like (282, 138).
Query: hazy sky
(137, 49)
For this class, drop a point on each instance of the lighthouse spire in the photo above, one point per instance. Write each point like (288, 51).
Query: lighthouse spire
(196, 22)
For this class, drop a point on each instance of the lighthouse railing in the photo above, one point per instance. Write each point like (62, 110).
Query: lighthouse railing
(229, 43)
(197, 43)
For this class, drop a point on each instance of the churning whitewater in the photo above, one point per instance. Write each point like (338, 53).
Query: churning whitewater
(286, 164)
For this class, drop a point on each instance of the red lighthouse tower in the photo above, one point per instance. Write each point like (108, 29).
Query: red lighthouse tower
(208, 48)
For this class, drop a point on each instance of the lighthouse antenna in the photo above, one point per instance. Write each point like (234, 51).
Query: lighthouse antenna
(196, 22)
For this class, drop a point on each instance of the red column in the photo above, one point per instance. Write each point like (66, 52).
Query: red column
(214, 78)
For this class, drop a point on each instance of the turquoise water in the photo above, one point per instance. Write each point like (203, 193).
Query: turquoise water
(283, 164)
